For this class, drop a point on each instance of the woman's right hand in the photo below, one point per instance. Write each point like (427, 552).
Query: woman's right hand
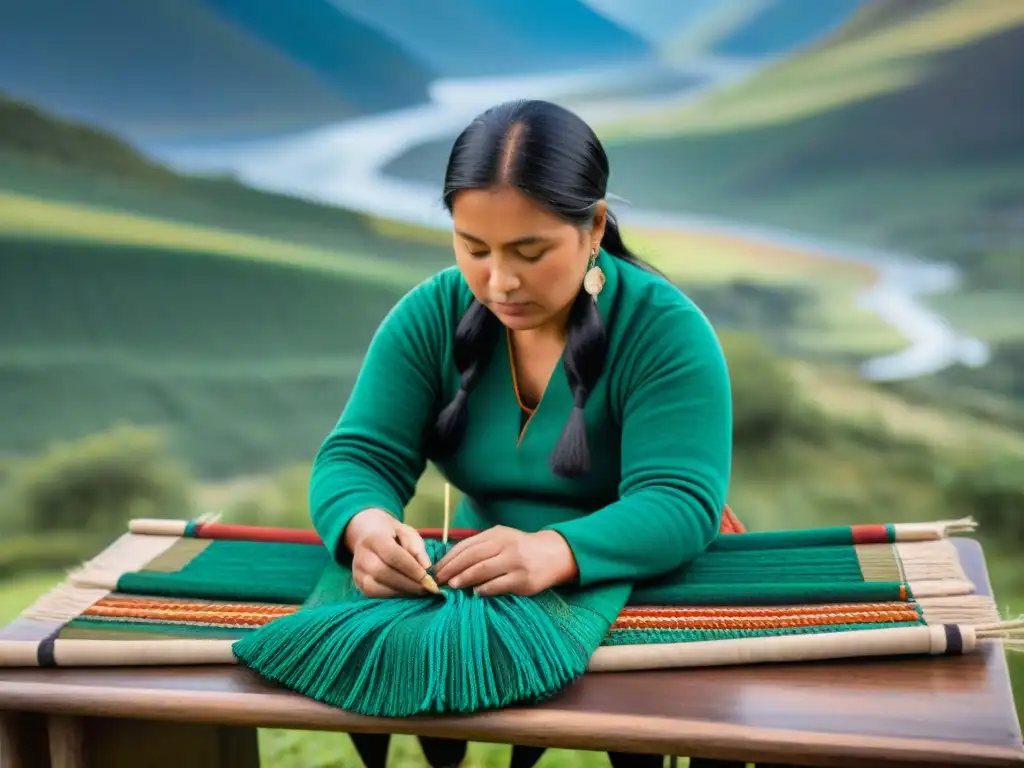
(389, 558)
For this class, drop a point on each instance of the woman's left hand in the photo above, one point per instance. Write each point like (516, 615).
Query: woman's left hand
(504, 560)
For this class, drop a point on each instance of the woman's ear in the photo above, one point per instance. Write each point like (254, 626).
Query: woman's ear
(600, 220)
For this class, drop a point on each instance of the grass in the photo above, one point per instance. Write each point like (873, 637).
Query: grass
(846, 398)
(994, 316)
(27, 217)
(238, 318)
(224, 210)
(249, 362)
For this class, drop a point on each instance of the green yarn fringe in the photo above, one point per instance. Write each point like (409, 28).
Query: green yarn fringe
(453, 653)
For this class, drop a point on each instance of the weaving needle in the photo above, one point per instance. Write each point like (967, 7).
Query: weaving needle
(447, 512)
(428, 581)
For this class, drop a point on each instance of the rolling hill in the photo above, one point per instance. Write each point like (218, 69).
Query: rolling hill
(127, 292)
(909, 135)
(202, 68)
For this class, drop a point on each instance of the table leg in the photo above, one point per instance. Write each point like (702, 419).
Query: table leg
(23, 740)
(107, 742)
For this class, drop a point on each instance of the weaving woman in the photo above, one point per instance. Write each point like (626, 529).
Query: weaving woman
(579, 400)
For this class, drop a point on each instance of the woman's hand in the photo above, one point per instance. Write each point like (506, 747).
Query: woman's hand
(388, 557)
(503, 560)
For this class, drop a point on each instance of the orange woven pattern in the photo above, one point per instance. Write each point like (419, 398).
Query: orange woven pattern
(764, 618)
(188, 612)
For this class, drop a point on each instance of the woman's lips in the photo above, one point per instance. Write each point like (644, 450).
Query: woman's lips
(507, 308)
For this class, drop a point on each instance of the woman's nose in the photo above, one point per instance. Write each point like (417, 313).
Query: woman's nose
(503, 281)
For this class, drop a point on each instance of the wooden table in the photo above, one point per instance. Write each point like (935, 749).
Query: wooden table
(933, 712)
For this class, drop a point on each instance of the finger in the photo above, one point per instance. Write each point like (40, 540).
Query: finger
(374, 589)
(388, 577)
(483, 571)
(466, 559)
(463, 545)
(412, 542)
(506, 584)
(398, 558)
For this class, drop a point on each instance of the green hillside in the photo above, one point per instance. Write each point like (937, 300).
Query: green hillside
(130, 293)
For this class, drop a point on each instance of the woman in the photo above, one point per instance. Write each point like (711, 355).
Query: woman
(579, 400)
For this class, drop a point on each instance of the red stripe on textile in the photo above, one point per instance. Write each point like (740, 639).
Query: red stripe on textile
(238, 532)
(869, 534)
(235, 532)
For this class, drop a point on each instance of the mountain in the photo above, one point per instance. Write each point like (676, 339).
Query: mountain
(747, 29)
(188, 69)
(655, 20)
(781, 26)
(469, 38)
(28, 133)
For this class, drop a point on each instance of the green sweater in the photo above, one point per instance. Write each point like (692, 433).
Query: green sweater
(659, 429)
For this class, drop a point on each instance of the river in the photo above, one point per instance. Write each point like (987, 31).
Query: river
(341, 164)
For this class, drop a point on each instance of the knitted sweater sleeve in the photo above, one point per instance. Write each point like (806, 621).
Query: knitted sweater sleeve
(676, 455)
(373, 457)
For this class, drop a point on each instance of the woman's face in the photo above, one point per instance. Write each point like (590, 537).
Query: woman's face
(520, 261)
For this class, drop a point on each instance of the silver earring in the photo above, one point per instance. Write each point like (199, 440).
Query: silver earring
(593, 281)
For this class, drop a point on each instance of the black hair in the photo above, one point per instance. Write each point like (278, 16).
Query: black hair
(553, 157)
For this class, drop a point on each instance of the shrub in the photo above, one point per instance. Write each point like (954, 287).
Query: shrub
(46, 552)
(96, 484)
(765, 397)
(283, 501)
(992, 489)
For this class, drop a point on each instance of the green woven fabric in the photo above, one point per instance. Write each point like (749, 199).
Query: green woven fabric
(760, 593)
(172, 631)
(837, 535)
(295, 573)
(237, 570)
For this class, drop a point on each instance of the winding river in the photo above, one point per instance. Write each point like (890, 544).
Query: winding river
(342, 164)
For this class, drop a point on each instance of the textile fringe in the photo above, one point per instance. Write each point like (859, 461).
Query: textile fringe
(1010, 634)
(940, 588)
(63, 603)
(935, 560)
(978, 610)
(131, 552)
